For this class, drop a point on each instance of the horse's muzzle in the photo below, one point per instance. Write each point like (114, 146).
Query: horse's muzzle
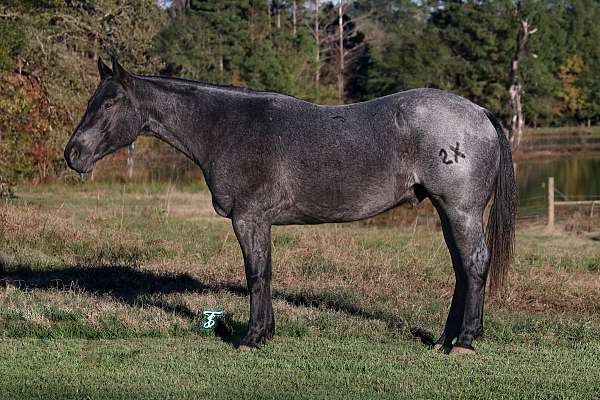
(77, 159)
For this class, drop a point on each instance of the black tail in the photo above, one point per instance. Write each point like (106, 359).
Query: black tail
(501, 222)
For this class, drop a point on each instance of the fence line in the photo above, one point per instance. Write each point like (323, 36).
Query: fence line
(560, 141)
(552, 203)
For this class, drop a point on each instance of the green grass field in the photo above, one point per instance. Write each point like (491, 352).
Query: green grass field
(101, 286)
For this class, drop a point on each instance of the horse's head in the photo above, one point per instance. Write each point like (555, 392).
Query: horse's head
(112, 120)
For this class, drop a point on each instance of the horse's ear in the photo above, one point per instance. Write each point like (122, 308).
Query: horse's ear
(120, 73)
(103, 69)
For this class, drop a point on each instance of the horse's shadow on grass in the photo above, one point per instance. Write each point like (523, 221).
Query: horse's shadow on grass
(128, 284)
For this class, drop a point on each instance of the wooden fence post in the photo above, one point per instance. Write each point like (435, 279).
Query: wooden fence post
(130, 161)
(551, 202)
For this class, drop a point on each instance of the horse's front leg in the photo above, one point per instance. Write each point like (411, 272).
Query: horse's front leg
(254, 237)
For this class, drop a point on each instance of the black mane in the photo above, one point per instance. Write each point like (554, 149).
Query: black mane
(205, 84)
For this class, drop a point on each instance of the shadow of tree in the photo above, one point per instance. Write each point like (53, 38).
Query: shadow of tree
(128, 284)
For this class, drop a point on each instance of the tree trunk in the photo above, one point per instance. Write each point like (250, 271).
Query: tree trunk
(178, 7)
(221, 62)
(269, 7)
(294, 17)
(318, 48)
(515, 130)
(341, 52)
(515, 91)
(278, 13)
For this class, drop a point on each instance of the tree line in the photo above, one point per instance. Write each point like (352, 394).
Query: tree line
(537, 58)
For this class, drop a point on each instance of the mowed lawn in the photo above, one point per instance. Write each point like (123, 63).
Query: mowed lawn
(101, 287)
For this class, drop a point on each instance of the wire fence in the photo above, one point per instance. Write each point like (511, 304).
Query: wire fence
(559, 142)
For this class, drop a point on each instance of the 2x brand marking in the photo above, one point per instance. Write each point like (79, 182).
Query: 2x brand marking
(457, 154)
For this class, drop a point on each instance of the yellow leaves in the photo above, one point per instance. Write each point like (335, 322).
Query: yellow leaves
(573, 96)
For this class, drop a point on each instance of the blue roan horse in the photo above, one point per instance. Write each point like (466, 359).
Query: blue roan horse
(271, 159)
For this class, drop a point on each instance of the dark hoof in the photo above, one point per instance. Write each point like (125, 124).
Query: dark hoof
(440, 347)
(462, 351)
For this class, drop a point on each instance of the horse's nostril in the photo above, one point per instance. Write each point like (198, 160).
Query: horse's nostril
(74, 154)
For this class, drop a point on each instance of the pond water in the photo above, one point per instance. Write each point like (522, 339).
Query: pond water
(574, 179)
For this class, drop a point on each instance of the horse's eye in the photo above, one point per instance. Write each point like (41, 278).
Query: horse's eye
(109, 104)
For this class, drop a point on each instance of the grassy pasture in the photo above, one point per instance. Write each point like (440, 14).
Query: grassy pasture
(100, 288)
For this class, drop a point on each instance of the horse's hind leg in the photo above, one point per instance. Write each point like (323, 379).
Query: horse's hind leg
(464, 235)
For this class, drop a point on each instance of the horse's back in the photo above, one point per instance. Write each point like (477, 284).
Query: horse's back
(422, 136)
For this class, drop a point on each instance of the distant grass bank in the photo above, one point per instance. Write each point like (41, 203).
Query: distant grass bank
(100, 288)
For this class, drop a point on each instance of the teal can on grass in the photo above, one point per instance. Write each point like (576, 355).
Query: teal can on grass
(210, 319)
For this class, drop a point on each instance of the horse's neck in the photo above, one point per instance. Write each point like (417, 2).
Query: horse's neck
(186, 118)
